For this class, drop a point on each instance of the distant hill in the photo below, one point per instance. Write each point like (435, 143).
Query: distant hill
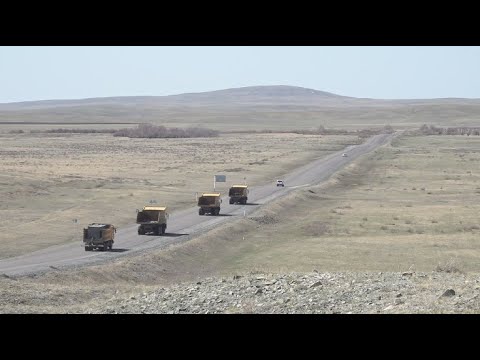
(260, 94)
(268, 95)
(278, 106)
(243, 96)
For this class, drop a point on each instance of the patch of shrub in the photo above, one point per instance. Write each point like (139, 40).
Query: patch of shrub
(153, 131)
(450, 266)
(434, 130)
(320, 130)
(315, 228)
(74, 131)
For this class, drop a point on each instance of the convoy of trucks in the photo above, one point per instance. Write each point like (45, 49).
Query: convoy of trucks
(153, 219)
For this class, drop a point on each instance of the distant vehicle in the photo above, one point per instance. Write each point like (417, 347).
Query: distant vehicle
(209, 204)
(152, 219)
(344, 155)
(99, 236)
(280, 183)
(238, 194)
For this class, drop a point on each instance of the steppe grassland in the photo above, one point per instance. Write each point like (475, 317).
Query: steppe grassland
(258, 117)
(413, 206)
(48, 180)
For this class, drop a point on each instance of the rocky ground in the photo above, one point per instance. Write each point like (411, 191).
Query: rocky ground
(324, 293)
(294, 293)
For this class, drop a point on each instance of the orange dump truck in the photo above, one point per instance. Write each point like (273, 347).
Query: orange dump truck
(238, 194)
(99, 236)
(209, 204)
(152, 219)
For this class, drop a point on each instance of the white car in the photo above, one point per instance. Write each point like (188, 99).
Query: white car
(280, 183)
(344, 155)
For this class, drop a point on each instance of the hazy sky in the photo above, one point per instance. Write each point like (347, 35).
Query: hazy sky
(41, 73)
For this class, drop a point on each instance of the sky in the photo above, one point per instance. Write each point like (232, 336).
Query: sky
(76, 72)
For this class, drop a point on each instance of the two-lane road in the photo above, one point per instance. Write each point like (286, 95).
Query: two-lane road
(182, 225)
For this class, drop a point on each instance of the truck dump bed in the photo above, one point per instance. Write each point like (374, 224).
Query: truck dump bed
(238, 190)
(95, 231)
(151, 214)
(208, 199)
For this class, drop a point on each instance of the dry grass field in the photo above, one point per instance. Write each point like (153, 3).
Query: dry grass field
(255, 117)
(48, 180)
(410, 206)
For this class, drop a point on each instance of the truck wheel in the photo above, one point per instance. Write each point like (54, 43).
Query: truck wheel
(164, 227)
(110, 246)
(231, 201)
(141, 231)
(201, 212)
(217, 212)
(88, 248)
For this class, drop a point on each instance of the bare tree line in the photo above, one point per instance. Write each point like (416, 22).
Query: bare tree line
(434, 130)
(141, 131)
(154, 131)
(66, 131)
(321, 130)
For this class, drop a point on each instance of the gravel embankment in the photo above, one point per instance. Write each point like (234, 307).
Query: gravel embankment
(344, 293)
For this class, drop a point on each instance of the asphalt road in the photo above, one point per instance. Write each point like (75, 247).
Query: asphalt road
(183, 225)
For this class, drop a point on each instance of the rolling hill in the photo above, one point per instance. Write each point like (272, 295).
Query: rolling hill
(273, 107)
